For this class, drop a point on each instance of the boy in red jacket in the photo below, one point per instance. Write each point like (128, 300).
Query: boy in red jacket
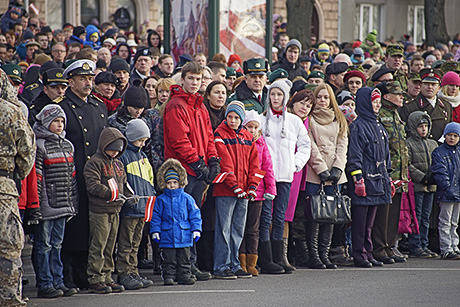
(240, 161)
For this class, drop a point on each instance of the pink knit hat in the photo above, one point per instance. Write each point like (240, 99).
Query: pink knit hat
(450, 78)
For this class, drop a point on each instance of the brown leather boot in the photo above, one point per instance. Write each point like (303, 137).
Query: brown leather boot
(242, 258)
(251, 261)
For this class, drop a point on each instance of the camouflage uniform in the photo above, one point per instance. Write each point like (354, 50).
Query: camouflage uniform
(398, 49)
(17, 152)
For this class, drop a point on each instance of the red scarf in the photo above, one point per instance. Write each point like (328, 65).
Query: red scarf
(111, 104)
(280, 112)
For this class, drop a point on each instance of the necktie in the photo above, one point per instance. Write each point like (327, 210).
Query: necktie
(259, 97)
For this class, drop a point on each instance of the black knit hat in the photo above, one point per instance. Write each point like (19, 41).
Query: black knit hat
(136, 96)
(77, 31)
(118, 64)
(106, 77)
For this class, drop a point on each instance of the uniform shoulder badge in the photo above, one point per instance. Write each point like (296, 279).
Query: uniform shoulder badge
(58, 99)
(32, 86)
(97, 98)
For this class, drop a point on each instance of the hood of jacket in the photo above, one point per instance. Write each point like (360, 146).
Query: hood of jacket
(108, 135)
(175, 165)
(412, 123)
(192, 99)
(90, 29)
(364, 103)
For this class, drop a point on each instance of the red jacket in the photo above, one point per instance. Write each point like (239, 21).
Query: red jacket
(29, 194)
(187, 129)
(240, 159)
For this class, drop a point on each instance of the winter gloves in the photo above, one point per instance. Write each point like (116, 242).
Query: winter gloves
(239, 192)
(360, 188)
(214, 169)
(336, 173)
(252, 193)
(156, 237)
(130, 200)
(200, 169)
(32, 216)
(196, 236)
(269, 196)
(324, 176)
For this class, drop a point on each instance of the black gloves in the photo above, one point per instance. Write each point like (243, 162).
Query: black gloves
(324, 176)
(214, 169)
(32, 216)
(336, 173)
(200, 169)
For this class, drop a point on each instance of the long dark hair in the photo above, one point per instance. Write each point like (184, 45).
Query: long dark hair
(151, 32)
(215, 119)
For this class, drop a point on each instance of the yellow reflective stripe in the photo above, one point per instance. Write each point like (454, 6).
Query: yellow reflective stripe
(356, 172)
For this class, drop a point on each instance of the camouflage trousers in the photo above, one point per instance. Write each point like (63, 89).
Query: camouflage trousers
(11, 245)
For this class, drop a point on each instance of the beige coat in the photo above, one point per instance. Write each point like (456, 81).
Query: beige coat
(327, 150)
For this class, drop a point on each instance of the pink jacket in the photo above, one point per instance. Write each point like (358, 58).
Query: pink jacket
(298, 184)
(268, 184)
(407, 219)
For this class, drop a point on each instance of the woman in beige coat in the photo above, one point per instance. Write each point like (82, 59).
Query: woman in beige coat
(328, 133)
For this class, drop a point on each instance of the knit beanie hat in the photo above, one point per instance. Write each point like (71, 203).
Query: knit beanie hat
(423, 121)
(77, 31)
(452, 127)
(375, 95)
(294, 42)
(285, 87)
(49, 113)
(323, 48)
(251, 116)
(233, 58)
(116, 145)
(137, 129)
(450, 78)
(118, 64)
(372, 36)
(349, 113)
(171, 174)
(106, 77)
(237, 107)
(136, 96)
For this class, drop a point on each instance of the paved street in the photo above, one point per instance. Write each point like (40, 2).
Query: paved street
(419, 282)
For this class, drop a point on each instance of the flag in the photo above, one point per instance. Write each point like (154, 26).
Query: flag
(113, 188)
(149, 208)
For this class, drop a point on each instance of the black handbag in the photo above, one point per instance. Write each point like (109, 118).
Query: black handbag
(332, 209)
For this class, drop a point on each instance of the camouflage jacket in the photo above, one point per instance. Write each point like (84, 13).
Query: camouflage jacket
(402, 78)
(397, 140)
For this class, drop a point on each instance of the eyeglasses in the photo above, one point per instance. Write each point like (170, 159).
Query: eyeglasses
(385, 80)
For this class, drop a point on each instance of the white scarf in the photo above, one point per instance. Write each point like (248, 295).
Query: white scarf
(453, 100)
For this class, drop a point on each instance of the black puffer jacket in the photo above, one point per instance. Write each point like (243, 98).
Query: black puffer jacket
(56, 181)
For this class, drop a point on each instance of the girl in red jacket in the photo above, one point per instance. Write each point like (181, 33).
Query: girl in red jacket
(240, 162)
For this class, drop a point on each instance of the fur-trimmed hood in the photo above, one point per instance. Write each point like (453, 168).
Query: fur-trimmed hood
(175, 165)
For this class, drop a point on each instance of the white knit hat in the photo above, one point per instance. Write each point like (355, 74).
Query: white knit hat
(285, 86)
(251, 116)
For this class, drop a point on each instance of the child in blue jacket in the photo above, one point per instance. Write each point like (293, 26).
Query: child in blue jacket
(176, 223)
(446, 170)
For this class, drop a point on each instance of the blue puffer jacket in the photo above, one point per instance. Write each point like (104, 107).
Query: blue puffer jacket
(368, 153)
(175, 217)
(140, 177)
(445, 168)
(90, 29)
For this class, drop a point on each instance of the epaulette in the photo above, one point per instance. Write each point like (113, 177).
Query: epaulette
(58, 99)
(97, 98)
(32, 86)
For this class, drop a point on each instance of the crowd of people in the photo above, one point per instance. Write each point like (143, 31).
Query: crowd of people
(208, 162)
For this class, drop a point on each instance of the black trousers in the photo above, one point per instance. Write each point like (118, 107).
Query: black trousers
(385, 231)
(363, 221)
(176, 263)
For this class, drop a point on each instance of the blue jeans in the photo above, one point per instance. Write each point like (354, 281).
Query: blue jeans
(423, 206)
(279, 205)
(230, 222)
(48, 241)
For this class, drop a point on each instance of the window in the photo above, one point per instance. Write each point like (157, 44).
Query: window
(367, 18)
(90, 11)
(416, 23)
(55, 13)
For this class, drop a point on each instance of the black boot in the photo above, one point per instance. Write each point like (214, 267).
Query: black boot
(339, 256)
(325, 237)
(312, 241)
(265, 260)
(301, 253)
(279, 250)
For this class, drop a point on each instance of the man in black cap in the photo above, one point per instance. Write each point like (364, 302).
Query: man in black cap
(428, 102)
(383, 74)
(86, 117)
(54, 87)
(334, 75)
(121, 69)
(32, 91)
(142, 64)
(252, 91)
(289, 60)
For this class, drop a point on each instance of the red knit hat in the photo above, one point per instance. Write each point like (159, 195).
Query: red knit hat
(354, 73)
(451, 78)
(233, 58)
(375, 94)
(356, 44)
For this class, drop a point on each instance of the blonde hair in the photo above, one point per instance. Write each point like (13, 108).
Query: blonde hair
(444, 91)
(343, 126)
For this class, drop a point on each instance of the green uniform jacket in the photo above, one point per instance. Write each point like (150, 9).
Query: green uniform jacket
(245, 95)
(397, 140)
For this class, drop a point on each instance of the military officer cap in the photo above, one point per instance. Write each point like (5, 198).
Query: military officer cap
(431, 75)
(450, 66)
(395, 49)
(255, 66)
(80, 67)
(390, 87)
(13, 71)
(316, 74)
(231, 72)
(413, 76)
(54, 76)
(277, 74)
(336, 68)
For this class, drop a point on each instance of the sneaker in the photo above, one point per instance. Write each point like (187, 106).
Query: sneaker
(168, 282)
(433, 254)
(398, 254)
(201, 276)
(242, 274)
(100, 288)
(450, 256)
(186, 281)
(50, 292)
(145, 282)
(130, 282)
(68, 291)
(419, 253)
(227, 274)
(116, 287)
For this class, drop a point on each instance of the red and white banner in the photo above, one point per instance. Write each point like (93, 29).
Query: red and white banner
(113, 188)
(149, 208)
